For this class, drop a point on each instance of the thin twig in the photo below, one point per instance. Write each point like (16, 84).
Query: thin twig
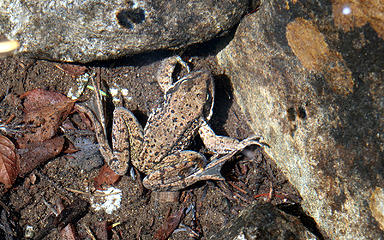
(89, 194)
(5, 207)
(6, 227)
(99, 100)
(88, 230)
(237, 188)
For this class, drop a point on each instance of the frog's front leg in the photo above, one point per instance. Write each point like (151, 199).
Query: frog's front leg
(178, 171)
(164, 75)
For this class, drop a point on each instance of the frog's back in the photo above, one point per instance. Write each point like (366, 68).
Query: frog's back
(172, 126)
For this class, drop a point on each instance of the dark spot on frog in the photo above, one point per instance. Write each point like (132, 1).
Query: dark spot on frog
(128, 17)
(114, 160)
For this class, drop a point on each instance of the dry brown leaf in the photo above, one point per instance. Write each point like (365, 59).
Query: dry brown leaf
(44, 111)
(71, 69)
(38, 98)
(106, 176)
(9, 162)
(35, 154)
(169, 225)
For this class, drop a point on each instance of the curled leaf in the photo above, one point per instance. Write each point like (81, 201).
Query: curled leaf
(38, 153)
(170, 225)
(9, 162)
(44, 112)
(72, 69)
(106, 176)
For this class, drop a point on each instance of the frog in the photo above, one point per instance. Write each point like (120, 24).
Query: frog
(160, 149)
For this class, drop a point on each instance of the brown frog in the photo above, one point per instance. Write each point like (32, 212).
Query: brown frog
(160, 149)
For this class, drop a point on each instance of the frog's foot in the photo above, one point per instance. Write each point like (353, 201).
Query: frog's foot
(164, 75)
(222, 144)
(178, 171)
(212, 170)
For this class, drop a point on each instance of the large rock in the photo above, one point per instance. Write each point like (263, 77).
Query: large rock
(87, 30)
(264, 221)
(309, 75)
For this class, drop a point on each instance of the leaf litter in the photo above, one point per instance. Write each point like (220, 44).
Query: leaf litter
(44, 112)
(9, 162)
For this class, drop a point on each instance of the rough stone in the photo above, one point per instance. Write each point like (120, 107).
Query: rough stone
(88, 30)
(264, 221)
(309, 75)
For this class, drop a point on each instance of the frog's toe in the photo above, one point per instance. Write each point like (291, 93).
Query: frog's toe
(253, 140)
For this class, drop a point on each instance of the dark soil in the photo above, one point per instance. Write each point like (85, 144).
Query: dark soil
(250, 176)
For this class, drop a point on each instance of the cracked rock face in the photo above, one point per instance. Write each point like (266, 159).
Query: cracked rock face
(88, 30)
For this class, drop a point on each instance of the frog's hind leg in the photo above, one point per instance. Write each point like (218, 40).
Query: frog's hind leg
(178, 171)
(164, 75)
(222, 144)
(127, 138)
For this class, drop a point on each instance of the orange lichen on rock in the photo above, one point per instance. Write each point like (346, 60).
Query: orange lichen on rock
(310, 47)
(348, 14)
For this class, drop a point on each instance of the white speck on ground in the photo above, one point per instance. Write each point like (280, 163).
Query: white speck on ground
(110, 202)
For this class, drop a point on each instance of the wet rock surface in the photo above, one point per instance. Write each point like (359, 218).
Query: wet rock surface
(309, 75)
(84, 31)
